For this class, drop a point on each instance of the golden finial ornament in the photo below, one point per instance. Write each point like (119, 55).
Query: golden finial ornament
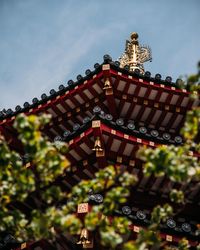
(135, 55)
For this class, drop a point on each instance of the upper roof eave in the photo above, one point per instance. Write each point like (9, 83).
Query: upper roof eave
(114, 65)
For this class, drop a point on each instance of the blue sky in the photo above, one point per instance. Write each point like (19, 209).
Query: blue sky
(44, 43)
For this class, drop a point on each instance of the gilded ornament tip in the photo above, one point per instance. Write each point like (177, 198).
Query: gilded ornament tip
(135, 54)
(134, 36)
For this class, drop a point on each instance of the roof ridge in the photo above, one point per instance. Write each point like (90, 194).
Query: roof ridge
(80, 79)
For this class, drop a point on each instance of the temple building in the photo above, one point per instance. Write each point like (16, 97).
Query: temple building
(105, 116)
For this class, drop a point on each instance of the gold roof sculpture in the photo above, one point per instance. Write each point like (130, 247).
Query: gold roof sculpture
(135, 55)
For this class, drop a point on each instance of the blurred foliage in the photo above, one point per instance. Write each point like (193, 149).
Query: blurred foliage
(48, 162)
(17, 182)
(177, 196)
(191, 82)
(173, 161)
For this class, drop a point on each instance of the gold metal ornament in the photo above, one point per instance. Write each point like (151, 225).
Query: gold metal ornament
(107, 84)
(84, 237)
(97, 145)
(135, 55)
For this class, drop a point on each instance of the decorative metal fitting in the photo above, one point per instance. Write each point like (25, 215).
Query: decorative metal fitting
(86, 120)
(154, 133)
(97, 145)
(120, 122)
(140, 215)
(166, 136)
(107, 84)
(91, 197)
(84, 237)
(131, 126)
(108, 117)
(76, 126)
(126, 210)
(143, 130)
(66, 133)
(171, 223)
(17, 108)
(135, 55)
(97, 110)
(178, 139)
(83, 208)
(98, 198)
(186, 227)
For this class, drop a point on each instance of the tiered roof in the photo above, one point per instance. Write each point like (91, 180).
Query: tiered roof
(115, 110)
(152, 102)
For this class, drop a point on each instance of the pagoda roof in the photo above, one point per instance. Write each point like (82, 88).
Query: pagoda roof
(80, 80)
(101, 70)
(153, 103)
(140, 110)
(145, 135)
(120, 149)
